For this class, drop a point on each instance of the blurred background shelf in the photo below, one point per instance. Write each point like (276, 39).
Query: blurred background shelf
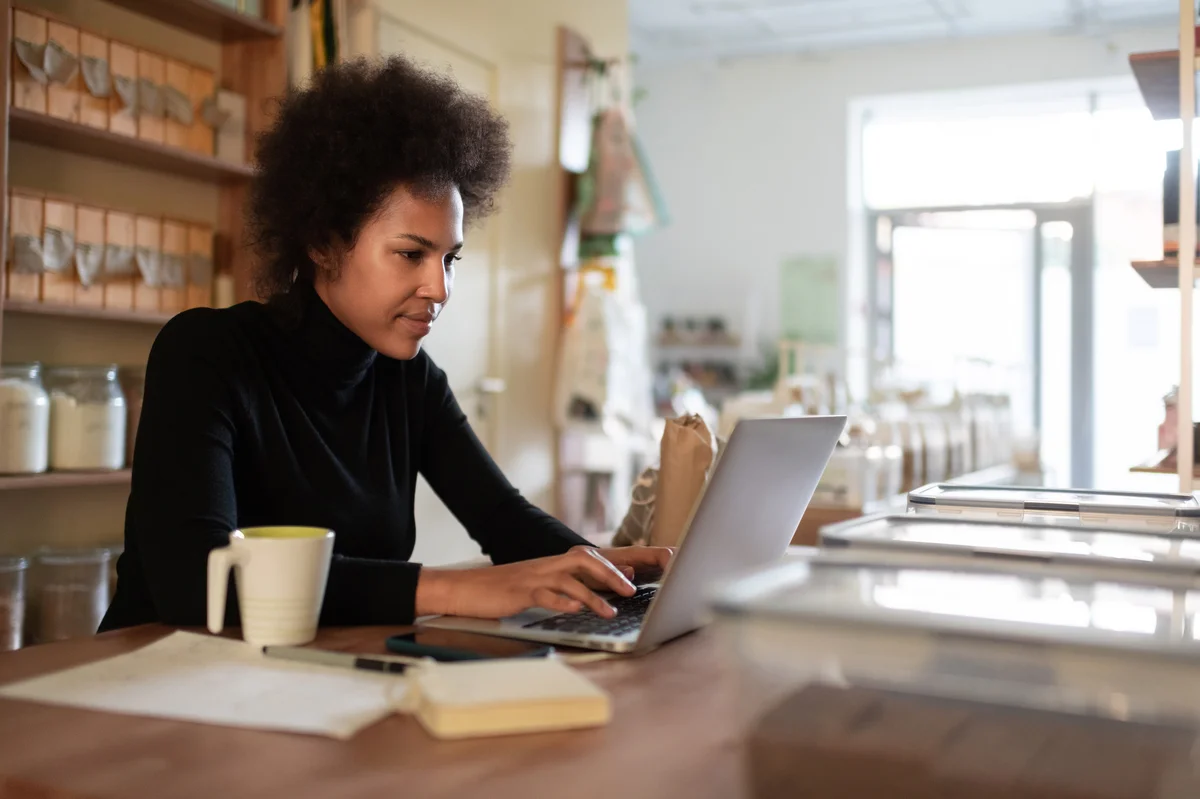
(65, 480)
(1157, 77)
(35, 128)
(1161, 274)
(204, 18)
(77, 312)
(1158, 465)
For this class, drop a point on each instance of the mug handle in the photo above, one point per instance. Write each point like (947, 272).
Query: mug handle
(220, 561)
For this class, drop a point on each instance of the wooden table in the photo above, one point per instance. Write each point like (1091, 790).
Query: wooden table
(673, 734)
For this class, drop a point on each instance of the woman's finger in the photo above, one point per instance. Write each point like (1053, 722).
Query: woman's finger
(645, 557)
(602, 572)
(552, 600)
(576, 590)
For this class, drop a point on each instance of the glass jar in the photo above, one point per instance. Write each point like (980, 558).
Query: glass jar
(936, 448)
(12, 602)
(69, 594)
(24, 420)
(851, 478)
(87, 418)
(133, 384)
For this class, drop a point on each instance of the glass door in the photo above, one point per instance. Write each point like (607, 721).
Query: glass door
(994, 300)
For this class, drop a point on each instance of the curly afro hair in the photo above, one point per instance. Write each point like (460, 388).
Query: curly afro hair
(342, 144)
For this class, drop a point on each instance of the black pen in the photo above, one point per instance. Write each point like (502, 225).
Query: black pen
(345, 660)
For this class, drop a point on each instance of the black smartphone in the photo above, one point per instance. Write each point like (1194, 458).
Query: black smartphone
(452, 645)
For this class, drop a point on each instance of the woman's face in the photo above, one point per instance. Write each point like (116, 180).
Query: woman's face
(394, 282)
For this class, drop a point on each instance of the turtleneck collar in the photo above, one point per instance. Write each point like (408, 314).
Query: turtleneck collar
(319, 339)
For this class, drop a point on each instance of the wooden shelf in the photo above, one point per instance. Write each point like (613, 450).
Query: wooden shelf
(1157, 465)
(65, 480)
(35, 128)
(1158, 79)
(204, 18)
(105, 314)
(1162, 274)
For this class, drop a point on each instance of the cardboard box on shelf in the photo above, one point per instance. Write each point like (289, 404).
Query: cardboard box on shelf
(147, 294)
(174, 266)
(26, 221)
(152, 76)
(178, 104)
(58, 243)
(200, 266)
(89, 256)
(120, 239)
(93, 109)
(30, 33)
(203, 86)
(62, 96)
(122, 101)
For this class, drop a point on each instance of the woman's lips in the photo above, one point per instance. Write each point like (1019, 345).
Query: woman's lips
(418, 325)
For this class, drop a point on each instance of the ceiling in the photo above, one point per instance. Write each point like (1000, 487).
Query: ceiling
(683, 29)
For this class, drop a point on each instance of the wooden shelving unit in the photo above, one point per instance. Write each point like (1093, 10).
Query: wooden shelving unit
(65, 480)
(252, 62)
(1167, 81)
(1159, 274)
(35, 128)
(78, 312)
(205, 18)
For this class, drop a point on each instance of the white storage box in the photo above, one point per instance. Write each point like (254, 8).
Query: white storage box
(1079, 552)
(1104, 648)
(1159, 512)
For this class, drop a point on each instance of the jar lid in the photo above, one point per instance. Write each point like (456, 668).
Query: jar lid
(104, 370)
(9, 564)
(71, 557)
(30, 371)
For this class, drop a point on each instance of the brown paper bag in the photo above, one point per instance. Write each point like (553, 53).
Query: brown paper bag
(687, 453)
(635, 527)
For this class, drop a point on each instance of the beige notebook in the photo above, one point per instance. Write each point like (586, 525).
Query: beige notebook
(498, 697)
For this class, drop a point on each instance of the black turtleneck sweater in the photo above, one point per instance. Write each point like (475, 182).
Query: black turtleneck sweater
(279, 415)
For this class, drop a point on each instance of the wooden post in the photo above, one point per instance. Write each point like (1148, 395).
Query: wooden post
(1187, 237)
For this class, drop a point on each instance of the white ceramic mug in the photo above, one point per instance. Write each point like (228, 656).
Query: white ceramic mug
(281, 574)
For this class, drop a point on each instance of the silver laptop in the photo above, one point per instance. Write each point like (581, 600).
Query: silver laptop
(746, 518)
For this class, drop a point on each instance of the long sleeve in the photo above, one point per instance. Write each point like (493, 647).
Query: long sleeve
(463, 475)
(184, 503)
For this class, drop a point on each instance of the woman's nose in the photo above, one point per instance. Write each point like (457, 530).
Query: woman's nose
(435, 283)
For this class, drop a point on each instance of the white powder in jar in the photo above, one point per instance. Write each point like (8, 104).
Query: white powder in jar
(86, 435)
(24, 427)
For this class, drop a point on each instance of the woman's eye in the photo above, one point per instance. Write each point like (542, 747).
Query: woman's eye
(411, 255)
(450, 261)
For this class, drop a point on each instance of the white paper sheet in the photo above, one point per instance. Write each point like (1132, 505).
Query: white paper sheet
(213, 680)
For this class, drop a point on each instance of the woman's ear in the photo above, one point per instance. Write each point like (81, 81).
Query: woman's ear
(328, 259)
(322, 258)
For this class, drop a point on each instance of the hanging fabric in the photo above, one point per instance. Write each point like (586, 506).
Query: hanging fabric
(299, 44)
(316, 37)
(324, 33)
(617, 194)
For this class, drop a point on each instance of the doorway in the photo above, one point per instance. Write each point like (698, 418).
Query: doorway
(998, 300)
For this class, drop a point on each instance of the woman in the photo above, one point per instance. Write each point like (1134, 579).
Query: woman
(319, 407)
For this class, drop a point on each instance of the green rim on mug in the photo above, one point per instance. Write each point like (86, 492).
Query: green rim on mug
(284, 532)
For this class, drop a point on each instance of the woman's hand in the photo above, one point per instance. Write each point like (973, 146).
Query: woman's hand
(564, 583)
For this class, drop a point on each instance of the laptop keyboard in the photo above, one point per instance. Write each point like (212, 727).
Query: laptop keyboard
(630, 612)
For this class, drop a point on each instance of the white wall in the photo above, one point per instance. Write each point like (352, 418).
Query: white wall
(753, 157)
